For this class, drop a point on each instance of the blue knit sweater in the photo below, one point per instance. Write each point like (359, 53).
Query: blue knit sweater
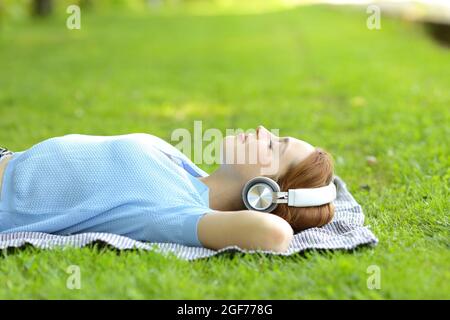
(135, 185)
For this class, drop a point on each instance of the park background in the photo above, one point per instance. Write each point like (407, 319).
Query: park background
(377, 99)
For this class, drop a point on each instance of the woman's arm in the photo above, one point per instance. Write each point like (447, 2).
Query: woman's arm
(246, 229)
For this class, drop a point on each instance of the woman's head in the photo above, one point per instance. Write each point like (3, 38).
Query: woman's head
(316, 170)
(291, 162)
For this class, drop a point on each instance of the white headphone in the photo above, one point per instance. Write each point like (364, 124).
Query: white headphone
(264, 194)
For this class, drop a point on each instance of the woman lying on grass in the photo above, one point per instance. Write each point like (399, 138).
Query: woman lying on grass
(142, 187)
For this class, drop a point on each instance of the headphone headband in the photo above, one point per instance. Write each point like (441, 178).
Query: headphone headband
(310, 197)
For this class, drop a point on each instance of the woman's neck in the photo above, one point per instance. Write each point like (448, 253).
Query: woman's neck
(224, 190)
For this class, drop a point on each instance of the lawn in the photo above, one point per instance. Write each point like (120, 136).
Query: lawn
(315, 73)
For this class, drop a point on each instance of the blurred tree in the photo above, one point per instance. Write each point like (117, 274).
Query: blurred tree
(42, 7)
(439, 31)
(85, 4)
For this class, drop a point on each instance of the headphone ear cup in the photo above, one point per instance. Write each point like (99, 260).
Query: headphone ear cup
(257, 194)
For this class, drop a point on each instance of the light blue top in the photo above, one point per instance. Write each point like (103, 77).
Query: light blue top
(135, 185)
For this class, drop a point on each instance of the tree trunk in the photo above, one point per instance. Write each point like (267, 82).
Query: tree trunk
(439, 31)
(42, 7)
(2, 13)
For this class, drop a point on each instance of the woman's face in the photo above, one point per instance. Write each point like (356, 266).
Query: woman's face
(262, 153)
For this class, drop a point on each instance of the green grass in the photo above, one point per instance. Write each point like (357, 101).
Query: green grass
(316, 73)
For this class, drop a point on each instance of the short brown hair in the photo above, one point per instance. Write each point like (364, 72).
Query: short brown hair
(314, 171)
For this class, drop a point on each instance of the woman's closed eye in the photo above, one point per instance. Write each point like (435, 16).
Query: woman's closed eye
(281, 141)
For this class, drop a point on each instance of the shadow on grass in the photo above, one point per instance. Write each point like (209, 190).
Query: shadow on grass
(101, 247)
(305, 254)
(97, 246)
